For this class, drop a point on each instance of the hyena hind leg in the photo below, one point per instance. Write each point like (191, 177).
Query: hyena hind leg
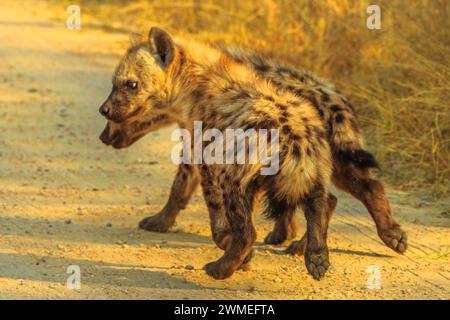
(285, 224)
(359, 183)
(183, 187)
(299, 247)
(315, 207)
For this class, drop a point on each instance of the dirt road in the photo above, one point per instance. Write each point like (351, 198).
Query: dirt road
(65, 199)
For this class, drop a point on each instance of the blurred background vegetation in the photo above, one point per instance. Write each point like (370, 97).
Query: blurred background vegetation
(398, 78)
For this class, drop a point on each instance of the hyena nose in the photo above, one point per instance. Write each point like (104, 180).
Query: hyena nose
(104, 110)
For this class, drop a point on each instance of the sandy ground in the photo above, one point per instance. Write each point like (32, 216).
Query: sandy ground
(65, 199)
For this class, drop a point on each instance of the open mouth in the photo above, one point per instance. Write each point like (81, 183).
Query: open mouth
(118, 139)
(115, 139)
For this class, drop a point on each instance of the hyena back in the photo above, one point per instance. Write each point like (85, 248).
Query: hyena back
(351, 162)
(186, 81)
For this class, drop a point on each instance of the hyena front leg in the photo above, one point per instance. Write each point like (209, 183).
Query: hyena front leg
(299, 247)
(316, 254)
(183, 187)
(220, 227)
(238, 247)
(360, 184)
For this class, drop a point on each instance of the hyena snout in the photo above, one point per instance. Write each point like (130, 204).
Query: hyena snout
(107, 108)
(104, 110)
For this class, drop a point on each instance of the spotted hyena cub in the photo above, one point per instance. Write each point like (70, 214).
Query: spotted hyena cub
(186, 81)
(351, 163)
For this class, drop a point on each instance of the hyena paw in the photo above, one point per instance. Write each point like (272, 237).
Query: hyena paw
(275, 238)
(297, 247)
(395, 238)
(219, 269)
(317, 263)
(156, 223)
(278, 237)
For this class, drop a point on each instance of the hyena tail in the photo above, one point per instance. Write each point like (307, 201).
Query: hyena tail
(358, 157)
(346, 142)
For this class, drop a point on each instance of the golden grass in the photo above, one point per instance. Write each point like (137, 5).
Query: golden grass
(398, 78)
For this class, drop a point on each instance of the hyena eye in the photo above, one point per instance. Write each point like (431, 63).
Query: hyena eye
(131, 85)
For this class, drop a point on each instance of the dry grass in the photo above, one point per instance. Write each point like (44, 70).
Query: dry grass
(397, 77)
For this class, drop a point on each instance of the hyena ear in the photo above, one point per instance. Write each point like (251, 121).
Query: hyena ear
(162, 44)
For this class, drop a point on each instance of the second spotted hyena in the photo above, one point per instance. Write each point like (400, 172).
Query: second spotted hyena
(185, 81)
(351, 163)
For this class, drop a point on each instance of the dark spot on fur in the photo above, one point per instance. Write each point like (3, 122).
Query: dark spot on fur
(198, 94)
(321, 114)
(314, 102)
(336, 108)
(242, 95)
(286, 129)
(296, 152)
(238, 60)
(227, 89)
(330, 128)
(292, 73)
(281, 106)
(339, 118)
(325, 97)
(261, 67)
(283, 70)
(308, 133)
(299, 92)
(300, 77)
(294, 103)
(282, 119)
(267, 124)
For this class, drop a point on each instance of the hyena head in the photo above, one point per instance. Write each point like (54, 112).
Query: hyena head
(136, 104)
